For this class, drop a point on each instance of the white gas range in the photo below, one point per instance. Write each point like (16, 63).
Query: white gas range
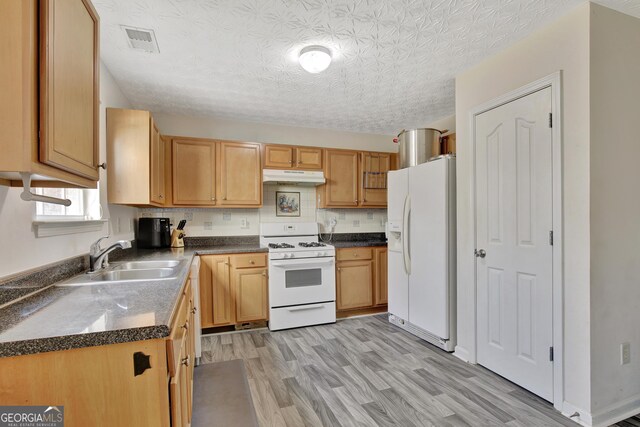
(302, 278)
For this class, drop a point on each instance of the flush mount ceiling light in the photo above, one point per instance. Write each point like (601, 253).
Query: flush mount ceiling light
(315, 59)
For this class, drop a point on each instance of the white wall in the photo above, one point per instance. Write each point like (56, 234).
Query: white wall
(564, 45)
(21, 250)
(208, 127)
(615, 210)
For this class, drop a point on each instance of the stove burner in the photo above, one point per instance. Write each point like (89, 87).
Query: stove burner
(281, 246)
(311, 244)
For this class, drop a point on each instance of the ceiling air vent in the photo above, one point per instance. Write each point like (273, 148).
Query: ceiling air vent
(141, 39)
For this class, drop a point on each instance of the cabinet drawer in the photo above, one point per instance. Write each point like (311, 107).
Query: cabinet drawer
(249, 261)
(178, 333)
(353, 254)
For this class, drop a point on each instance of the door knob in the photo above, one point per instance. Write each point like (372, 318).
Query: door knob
(480, 253)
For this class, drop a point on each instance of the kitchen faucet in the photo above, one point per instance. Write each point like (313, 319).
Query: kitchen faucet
(99, 258)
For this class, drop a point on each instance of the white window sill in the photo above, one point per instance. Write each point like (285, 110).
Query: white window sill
(58, 227)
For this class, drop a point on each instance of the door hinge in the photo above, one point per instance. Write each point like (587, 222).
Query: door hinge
(550, 354)
(551, 237)
(550, 120)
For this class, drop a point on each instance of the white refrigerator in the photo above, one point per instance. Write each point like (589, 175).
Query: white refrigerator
(422, 250)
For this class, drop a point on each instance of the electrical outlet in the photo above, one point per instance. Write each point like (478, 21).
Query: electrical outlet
(342, 215)
(188, 216)
(369, 215)
(244, 223)
(226, 216)
(356, 223)
(208, 225)
(625, 353)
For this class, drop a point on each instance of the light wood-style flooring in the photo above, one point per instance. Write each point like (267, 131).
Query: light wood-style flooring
(365, 372)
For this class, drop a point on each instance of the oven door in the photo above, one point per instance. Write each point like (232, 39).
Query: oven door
(301, 281)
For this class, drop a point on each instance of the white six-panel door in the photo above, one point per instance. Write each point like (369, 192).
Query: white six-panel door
(513, 224)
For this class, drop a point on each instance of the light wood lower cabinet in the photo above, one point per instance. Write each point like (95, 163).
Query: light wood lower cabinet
(233, 289)
(108, 385)
(380, 288)
(361, 278)
(250, 285)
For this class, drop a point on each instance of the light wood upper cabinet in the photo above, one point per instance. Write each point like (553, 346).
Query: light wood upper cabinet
(355, 179)
(49, 81)
(341, 170)
(373, 182)
(250, 286)
(157, 166)
(308, 158)
(278, 156)
(240, 179)
(194, 172)
(380, 284)
(216, 299)
(135, 158)
(290, 157)
(69, 91)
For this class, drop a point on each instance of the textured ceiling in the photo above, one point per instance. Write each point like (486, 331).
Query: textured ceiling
(394, 60)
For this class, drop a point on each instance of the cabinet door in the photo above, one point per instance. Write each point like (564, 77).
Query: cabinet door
(354, 285)
(194, 172)
(69, 86)
(216, 300)
(373, 183)
(240, 182)
(250, 286)
(308, 158)
(381, 276)
(278, 157)
(178, 391)
(156, 165)
(341, 173)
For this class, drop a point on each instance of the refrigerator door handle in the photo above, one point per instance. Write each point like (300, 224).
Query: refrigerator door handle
(405, 234)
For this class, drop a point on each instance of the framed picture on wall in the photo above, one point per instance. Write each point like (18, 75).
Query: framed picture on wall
(287, 203)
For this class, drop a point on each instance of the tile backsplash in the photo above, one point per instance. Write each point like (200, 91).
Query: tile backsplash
(238, 222)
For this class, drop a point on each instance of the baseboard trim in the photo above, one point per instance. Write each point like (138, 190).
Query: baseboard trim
(461, 353)
(616, 412)
(583, 418)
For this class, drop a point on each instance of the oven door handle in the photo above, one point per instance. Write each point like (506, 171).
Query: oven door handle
(302, 264)
(305, 307)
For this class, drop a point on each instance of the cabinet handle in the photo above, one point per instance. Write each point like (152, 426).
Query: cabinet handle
(193, 310)
(355, 254)
(264, 274)
(224, 198)
(185, 361)
(213, 199)
(160, 196)
(102, 165)
(185, 326)
(339, 269)
(251, 262)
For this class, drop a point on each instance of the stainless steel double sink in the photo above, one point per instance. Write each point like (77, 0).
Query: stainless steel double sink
(132, 271)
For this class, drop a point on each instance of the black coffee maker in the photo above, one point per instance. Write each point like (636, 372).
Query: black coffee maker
(154, 233)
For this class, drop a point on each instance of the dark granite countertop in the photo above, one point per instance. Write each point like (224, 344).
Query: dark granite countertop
(359, 243)
(64, 317)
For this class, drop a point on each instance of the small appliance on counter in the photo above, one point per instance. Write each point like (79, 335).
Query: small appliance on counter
(177, 236)
(154, 233)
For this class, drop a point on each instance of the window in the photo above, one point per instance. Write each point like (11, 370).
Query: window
(85, 204)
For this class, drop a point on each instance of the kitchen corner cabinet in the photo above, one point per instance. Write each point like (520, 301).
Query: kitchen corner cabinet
(135, 159)
(99, 385)
(216, 173)
(49, 81)
(361, 281)
(289, 157)
(355, 179)
(233, 289)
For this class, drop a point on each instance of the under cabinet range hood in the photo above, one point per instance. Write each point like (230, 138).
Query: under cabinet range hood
(299, 177)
